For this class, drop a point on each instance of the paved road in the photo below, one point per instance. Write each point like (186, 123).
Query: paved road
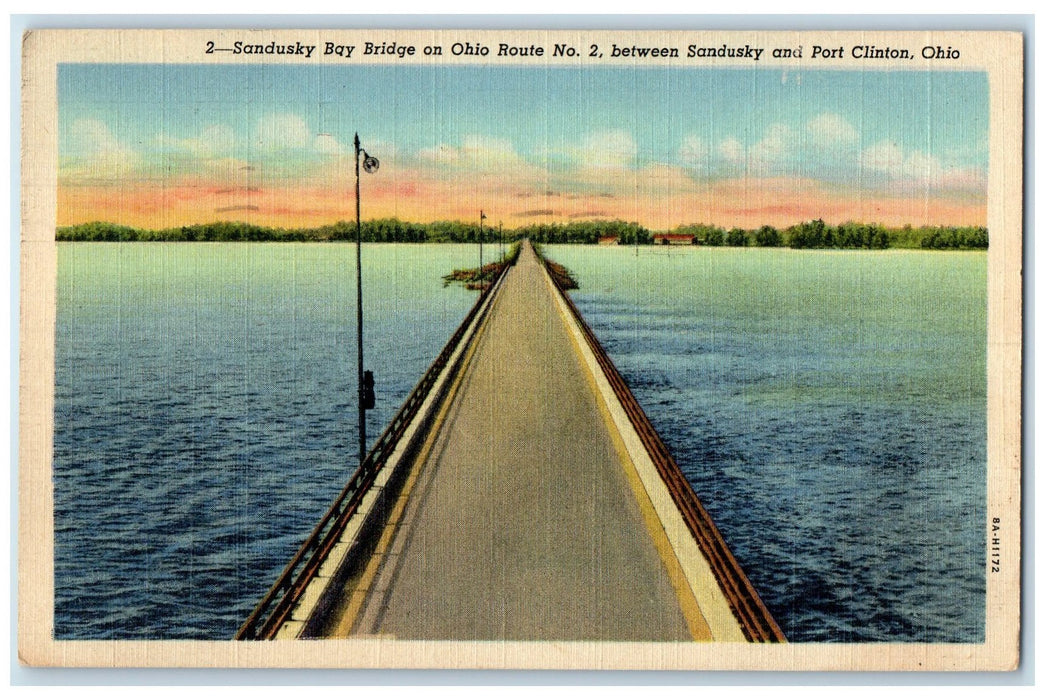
(521, 524)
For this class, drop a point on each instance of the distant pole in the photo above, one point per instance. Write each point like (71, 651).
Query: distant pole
(370, 164)
(482, 217)
(500, 237)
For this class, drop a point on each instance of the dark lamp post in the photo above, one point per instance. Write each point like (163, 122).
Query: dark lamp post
(366, 383)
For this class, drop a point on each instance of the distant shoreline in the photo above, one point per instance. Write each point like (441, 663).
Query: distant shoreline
(806, 235)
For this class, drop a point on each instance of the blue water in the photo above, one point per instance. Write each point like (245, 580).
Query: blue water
(205, 416)
(829, 409)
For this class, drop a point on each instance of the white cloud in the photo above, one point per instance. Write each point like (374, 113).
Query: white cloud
(96, 152)
(773, 150)
(92, 137)
(778, 142)
(611, 149)
(283, 132)
(885, 158)
(829, 129)
(477, 151)
(443, 153)
(694, 153)
(888, 161)
(488, 151)
(290, 133)
(328, 145)
(956, 178)
(732, 151)
(215, 141)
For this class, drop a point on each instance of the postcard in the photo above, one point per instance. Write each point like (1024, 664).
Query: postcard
(521, 349)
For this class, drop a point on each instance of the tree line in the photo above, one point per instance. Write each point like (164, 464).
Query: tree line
(817, 234)
(373, 231)
(590, 232)
(808, 234)
(387, 230)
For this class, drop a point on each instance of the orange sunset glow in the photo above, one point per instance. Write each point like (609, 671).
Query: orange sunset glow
(740, 203)
(524, 146)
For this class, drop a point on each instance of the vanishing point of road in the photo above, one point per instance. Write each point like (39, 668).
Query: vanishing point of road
(520, 494)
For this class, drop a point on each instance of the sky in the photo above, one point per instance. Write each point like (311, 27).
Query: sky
(169, 145)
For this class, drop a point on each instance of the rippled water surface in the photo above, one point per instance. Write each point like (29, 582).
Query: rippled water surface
(205, 415)
(829, 408)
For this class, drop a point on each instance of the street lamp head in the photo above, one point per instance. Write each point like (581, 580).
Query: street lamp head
(370, 163)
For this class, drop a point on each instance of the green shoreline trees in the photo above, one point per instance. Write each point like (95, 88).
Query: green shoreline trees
(808, 234)
(849, 235)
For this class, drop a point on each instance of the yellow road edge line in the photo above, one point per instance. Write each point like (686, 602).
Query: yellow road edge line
(695, 620)
(361, 591)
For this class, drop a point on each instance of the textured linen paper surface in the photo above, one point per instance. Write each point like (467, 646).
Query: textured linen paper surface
(660, 350)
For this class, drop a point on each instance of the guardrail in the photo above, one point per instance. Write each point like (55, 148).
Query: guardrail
(278, 604)
(754, 618)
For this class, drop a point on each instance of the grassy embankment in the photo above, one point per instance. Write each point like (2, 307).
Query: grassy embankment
(474, 278)
(560, 274)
